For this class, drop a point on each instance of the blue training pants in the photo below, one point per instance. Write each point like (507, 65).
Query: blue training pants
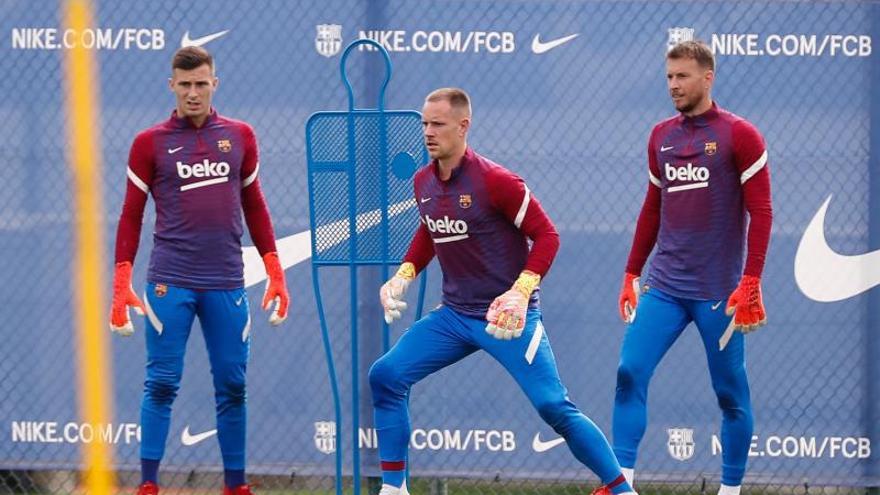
(223, 315)
(444, 337)
(660, 319)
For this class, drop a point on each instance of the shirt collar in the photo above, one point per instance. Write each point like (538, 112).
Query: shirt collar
(467, 158)
(186, 123)
(703, 119)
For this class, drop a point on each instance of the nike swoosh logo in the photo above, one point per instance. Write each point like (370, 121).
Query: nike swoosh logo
(296, 248)
(540, 47)
(172, 151)
(715, 306)
(187, 41)
(827, 276)
(666, 148)
(238, 302)
(425, 200)
(539, 445)
(187, 439)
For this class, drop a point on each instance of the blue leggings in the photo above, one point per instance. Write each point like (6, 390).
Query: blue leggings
(660, 319)
(444, 337)
(223, 315)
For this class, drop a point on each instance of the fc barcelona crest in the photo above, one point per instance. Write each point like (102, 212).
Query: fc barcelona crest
(681, 443)
(711, 148)
(465, 201)
(224, 145)
(325, 436)
(328, 41)
(678, 35)
(160, 290)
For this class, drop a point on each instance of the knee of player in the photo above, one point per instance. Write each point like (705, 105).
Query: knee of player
(162, 389)
(554, 411)
(383, 374)
(630, 375)
(231, 385)
(730, 399)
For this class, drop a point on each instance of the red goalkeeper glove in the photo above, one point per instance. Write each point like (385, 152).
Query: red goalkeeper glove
(507, 313)
(391, 293)
(276, 289)
(123, 297)
(746, 305)
(629, 297)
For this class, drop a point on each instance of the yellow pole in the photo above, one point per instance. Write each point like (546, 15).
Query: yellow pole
(94, 377)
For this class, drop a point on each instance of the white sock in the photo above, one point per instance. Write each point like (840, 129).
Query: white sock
(393, 490)
(629, 474)
(729, 490)
(389, 489)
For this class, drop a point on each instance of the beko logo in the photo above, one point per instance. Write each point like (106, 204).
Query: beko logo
(213, 172)
(697, 177)
(446, 225)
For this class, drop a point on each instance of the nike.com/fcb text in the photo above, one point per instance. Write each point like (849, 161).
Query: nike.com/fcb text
(449, 439)
(791, 45)
(813, 447)
(397, 40)
(46, 38)
(73, 432)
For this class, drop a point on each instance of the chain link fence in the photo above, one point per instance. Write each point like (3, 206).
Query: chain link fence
(572, 117)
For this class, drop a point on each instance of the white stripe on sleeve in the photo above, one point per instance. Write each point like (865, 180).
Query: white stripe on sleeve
(521, 214)
(653, 179)
(137, 181)
(754, 168)
(251, 178)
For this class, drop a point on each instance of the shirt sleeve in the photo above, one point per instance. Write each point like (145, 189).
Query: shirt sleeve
(654, 172)
(253, 203)
(750, 156)
(510, 195)
(648, 224)
(250, 165)
(421, 249)
(141, 166)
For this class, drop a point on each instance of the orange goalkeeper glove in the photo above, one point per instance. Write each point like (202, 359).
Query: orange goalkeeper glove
(123, 297)
(391, 293)
(276, 289)
(507, 313)
(746, 305)
(629, 297)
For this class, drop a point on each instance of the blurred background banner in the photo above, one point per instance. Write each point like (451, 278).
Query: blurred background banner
(564, 94)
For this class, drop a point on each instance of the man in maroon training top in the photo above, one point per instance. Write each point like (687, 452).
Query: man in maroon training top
(477, 218)
(708, 180)
(201, 169)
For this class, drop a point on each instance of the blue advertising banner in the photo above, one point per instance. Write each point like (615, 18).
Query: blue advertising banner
(564, 94)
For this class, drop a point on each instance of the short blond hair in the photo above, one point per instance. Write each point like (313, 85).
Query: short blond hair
(458, 98)
(696, 50)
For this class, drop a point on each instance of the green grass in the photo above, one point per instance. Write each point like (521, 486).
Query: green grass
(193, 483)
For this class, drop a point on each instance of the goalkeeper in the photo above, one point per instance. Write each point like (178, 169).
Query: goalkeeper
(714, 172)
(477, 217)
(201, 169)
